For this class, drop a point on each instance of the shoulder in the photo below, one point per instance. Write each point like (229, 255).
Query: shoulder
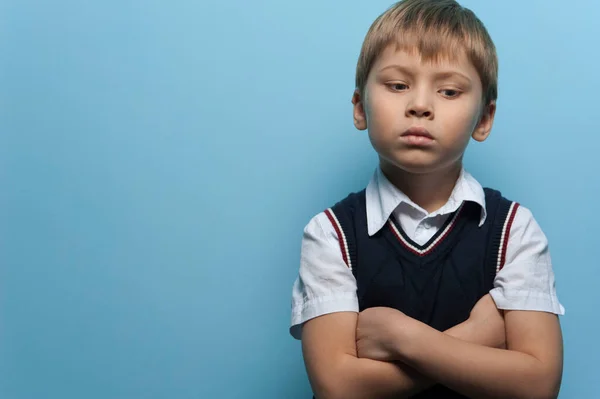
(351, 203)
(342, 212)
(518, 218)
(519, 225)
(493, 195)
(323, 223)
(526, 230)
(502, 210)
(525, 240)
(319, 229)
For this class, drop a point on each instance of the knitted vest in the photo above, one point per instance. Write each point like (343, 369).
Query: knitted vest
(437, 283)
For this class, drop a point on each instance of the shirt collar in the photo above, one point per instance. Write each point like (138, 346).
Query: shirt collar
(383, 198)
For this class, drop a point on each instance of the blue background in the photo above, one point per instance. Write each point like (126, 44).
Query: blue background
(159, 160)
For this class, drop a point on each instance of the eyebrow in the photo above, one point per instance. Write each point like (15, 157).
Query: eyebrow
(438, 75)
(398, 68)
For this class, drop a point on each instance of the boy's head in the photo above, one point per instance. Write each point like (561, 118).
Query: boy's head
(429, 66)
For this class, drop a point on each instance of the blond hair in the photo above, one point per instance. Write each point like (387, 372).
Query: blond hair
(435, 29)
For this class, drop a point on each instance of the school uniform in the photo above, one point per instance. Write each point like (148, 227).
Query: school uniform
(378, 248)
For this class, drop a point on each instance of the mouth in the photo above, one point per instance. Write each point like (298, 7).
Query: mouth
(417, 131)
(418, 136)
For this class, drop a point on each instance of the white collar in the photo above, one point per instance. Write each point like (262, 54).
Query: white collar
(382, 199)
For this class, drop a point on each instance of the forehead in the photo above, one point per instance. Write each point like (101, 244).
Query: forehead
(412, 58)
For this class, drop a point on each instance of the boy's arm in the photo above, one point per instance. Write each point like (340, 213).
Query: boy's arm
(531, 367)
(335, 371)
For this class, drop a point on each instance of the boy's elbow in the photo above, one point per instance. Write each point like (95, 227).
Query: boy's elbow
(334, 384)
(537, 391)
(550, 391)
(544, 394)
(336, 392)
(547, 386)
(330, 390)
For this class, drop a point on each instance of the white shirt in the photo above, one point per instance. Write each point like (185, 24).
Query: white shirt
(326, 285)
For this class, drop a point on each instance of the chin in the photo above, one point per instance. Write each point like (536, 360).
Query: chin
(413, 166)
(417, 169)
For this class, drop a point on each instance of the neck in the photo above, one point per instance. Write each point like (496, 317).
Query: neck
(428, 190)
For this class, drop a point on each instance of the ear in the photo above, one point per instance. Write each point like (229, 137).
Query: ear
(360, 117)
(483, 129)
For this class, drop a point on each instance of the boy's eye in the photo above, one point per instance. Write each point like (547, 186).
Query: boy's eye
(450, 93)
(398, 86)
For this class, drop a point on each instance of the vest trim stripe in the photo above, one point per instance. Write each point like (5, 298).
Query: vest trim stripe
(341, 236)
(434, 244)
(510, 217)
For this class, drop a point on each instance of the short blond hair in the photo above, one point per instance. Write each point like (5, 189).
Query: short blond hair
(435, 29)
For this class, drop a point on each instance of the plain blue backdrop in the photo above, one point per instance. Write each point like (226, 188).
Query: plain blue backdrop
(159, 160)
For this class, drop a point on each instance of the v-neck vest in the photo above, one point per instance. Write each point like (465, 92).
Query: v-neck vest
(437, 283)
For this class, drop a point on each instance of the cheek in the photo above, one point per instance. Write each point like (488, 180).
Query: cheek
(379, 126)
(465, 119)
(382, 111)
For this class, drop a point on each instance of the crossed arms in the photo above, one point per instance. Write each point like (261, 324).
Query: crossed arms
(382, 353)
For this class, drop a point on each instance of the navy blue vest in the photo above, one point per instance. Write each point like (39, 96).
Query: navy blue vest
(437, 283)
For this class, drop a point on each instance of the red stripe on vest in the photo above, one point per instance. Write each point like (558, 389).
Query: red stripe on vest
(339, 234)
(511, 219)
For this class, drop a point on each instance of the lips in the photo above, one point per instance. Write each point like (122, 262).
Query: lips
(418, 132)
(417, 136)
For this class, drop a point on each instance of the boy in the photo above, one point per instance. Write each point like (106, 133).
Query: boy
(425, 284)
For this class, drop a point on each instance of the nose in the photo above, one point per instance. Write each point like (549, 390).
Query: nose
(419, 107)
(420, 112)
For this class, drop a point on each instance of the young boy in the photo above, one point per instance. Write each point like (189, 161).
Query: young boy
(425, 284)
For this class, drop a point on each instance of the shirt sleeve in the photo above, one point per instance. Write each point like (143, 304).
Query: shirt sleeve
(526, 282)
(324, 284)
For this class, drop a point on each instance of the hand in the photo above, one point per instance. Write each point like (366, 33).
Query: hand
(379, 333)
(488, 322)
